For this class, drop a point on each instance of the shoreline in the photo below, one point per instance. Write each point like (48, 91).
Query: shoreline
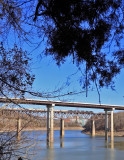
(102, 133)
(97, 133)
(41, 129)
(56, 128)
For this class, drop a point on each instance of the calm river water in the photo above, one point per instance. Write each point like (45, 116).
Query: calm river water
(74, 146)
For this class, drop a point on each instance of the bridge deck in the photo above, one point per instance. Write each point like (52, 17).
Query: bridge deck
(59, 103)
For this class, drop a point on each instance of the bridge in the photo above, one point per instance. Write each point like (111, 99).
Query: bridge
(59, 103)
(57, 114)
(49, 112)
(19, 115)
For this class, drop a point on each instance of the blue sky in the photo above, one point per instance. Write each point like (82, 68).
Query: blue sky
(49, 77)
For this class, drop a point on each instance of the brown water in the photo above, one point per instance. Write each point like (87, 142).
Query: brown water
(74, 146)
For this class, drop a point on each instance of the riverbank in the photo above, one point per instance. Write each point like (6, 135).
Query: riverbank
(102, 133)
(41, 129)
(56, 128)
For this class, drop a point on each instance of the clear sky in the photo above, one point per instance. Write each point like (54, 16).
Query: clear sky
(49, 77)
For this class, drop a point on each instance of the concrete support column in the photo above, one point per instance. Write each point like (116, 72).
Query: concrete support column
(112, 126)
(48, 125)
(62, 128)
(19, 128)
(61, 143)
(51, 127)
(93, 128)
(106, 125)
(50, 130)
(77, 118)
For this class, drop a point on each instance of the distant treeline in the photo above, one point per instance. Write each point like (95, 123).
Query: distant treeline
(100, 124)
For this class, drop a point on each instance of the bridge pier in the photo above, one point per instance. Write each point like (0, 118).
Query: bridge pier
(77, 119)
(19, 128)
(93, 128)
(61, 128)
(50, 129)
(112, 125)
(106, 124)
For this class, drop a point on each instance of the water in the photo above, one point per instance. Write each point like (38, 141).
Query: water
(74, 146)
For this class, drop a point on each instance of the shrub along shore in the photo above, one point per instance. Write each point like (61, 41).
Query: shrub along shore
(100, 125)
(102, 133)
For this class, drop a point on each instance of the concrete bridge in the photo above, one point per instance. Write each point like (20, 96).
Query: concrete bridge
(50, 114)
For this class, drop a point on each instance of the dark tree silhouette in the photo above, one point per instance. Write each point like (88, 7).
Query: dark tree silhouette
(81, 29)
(76, 28)
(15, 75)
(85, 30)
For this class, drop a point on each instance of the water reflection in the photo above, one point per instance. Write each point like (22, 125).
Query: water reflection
(112, 154)
(109, 144)
(50, 154)
(61, 142)
(112, 145)
(50, 145)
(76, 145)
(119, 145)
